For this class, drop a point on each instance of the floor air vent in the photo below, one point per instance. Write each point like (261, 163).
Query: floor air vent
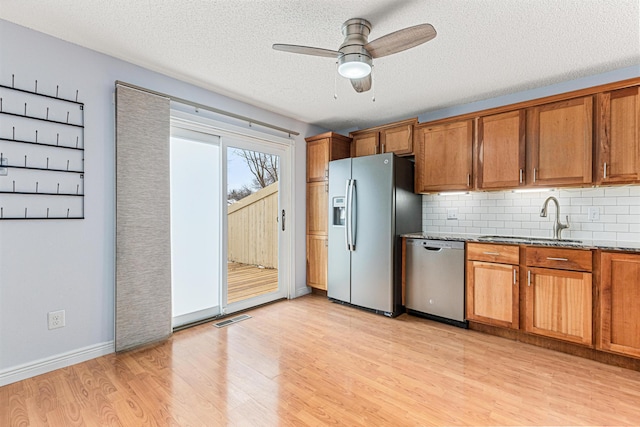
(231, 321)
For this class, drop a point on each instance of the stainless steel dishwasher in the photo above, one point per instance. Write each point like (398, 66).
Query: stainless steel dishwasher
(435, 280)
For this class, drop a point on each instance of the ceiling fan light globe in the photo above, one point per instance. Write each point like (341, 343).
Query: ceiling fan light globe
(354, 66)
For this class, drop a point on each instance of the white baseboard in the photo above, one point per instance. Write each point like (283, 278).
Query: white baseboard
(52, 363)
(302, 291)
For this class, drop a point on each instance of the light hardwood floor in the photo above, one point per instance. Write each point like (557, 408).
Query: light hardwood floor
(312, 362)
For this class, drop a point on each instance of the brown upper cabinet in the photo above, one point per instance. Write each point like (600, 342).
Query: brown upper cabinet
(559, 143)
(444, 157)
(365, 144)
(392, 138)
(501, 150)
(618, 136)
(320, 150)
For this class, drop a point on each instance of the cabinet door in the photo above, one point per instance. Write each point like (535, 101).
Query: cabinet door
(559, 304)
(317, 207)
(620, 304)
(559, 137)
(365, 144)
(618, 133)
(317, 262)
(318, 160)
(501, 150)
(398, 140)
(493, 293)
(444, 157)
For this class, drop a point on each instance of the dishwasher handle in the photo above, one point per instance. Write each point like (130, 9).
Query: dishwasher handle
(432, 248)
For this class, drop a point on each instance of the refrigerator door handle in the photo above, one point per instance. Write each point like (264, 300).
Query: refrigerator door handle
(347, 215)
(353, 201)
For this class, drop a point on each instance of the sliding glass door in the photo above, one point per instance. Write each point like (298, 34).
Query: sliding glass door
(255, 218)
(196, 213)
(230, 239)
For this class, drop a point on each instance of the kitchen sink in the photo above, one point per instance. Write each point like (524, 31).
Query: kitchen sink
(519, 239)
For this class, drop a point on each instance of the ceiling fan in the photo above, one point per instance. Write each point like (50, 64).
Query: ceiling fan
(356, 53)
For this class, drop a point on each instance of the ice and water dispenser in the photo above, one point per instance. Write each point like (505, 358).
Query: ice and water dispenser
(339, 215)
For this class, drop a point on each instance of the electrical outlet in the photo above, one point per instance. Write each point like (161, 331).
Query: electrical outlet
(594, 214)
(452, 213)
(56, 319)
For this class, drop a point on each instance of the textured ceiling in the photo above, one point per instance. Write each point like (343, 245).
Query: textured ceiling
(484, 48)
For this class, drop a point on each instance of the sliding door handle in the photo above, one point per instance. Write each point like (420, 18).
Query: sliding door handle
(283, 215)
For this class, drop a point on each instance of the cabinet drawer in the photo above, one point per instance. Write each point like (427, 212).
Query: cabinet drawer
(502, 254)
(559, 258)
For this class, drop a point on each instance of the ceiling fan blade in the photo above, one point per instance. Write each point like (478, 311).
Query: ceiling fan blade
(400, 40)
(306, 50)
(361, 85)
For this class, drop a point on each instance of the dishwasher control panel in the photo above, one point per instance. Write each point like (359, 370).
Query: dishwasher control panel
(438, 244)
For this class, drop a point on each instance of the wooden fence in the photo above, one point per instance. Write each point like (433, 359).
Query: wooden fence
(253, 228)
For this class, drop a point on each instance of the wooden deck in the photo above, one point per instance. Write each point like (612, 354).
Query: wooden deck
(246, 281)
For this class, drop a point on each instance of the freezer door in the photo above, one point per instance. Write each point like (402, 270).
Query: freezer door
(338, 274)
(372, 282)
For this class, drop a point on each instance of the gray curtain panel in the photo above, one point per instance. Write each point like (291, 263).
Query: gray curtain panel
(143, 246)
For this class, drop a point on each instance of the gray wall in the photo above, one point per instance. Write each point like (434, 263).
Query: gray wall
(55, 265)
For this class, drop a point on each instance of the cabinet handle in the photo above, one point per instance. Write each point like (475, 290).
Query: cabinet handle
(326, 173)
(605, 171)
(491, 253)
(383, 149)
(468, 180)
(326, 187)
(535, 175)
(515, 280)
(550, 258)
(528, 277)
(521, 174)
(375, 150)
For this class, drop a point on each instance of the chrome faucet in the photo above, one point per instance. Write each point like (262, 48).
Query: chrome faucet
(557, 225)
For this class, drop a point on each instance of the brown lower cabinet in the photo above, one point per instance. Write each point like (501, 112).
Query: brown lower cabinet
(620, 303)
(317, 261)
(559, 294)
(559, 304)
(492, 284)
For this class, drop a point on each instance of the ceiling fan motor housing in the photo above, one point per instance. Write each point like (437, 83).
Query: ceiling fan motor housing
(354, 60)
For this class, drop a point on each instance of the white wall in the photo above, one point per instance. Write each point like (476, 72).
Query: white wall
(518, 214)
(55, 265)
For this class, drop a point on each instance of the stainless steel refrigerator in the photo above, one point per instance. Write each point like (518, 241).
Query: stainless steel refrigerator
(371, 203)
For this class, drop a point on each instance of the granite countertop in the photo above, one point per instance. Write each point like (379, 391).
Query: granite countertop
(530, 241)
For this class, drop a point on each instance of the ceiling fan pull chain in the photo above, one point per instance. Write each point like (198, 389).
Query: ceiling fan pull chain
(335, 83)
(373, 85)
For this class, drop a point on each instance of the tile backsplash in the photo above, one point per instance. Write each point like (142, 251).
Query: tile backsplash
(615, 213)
